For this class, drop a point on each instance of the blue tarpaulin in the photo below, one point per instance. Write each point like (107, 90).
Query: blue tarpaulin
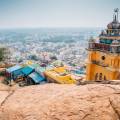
(27, 70)
(37, 78)
(14, 68)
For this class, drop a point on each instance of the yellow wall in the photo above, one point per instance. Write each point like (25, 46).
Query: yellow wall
(109, 67)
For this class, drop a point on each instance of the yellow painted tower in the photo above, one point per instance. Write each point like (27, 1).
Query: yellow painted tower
(104, 53)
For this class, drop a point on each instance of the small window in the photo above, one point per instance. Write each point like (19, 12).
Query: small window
(103, 57)
(105, 78)
(100, 76)
(96, 76)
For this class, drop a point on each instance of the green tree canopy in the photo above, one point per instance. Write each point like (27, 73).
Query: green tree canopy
(2, 54)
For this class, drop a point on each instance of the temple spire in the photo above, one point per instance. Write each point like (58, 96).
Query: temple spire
(115, 16)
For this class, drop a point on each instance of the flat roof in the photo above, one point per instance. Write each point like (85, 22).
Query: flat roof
(37, 78)
(27, 70)
(13, 68)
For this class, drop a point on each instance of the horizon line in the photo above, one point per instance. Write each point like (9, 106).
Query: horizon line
(1, 28)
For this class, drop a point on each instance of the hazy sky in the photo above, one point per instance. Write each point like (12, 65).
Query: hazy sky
(56, 13)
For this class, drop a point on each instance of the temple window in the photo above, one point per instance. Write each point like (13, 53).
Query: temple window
(100, 76)
(96, 76)
(105, 78)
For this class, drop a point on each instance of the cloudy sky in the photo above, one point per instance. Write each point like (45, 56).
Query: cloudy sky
(56, 13)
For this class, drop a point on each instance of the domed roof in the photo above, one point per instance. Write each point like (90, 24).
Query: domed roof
(103, 32)
(115, 23)
(91, 39)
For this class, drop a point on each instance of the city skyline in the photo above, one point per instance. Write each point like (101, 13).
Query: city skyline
(56, 13)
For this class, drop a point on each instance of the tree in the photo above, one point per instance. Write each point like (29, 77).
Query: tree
(3, 54)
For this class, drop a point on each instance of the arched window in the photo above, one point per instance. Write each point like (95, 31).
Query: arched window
(118, 77)
(100, 76)
(105, 78)
(96, 76)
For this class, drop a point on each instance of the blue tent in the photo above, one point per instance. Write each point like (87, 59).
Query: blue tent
(36, 77)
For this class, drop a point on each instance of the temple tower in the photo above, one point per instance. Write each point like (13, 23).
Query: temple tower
(104, 53)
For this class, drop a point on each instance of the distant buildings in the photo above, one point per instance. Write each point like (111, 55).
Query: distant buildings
(66, 46)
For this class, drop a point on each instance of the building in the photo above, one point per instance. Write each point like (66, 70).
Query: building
(104, 53)
(13, 72)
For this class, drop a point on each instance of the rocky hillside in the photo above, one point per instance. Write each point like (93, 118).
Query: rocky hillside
(60, 102)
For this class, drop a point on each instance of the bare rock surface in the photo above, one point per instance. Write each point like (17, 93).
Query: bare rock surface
(61, 102)
(4, 90)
